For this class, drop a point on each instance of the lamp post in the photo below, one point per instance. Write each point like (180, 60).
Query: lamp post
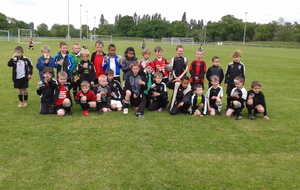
(245, 28)
(68, 38)
(80, 23)
(94, 25)
(205, 33)
(87, 24)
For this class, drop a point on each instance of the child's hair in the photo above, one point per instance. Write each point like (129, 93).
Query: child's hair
(85, 52)
(158, 74)
(135, 64)
(102, 77)
(239, 79)
(214, 57)
(62, 74)
(127, 50)
(99, 42)
(109, 72)
(185, 78)
(19, 48)
(179, 46)
(85, 84)
(214, 78)
(45, 48)
(199, 50)
(76, 44)
(198, 86)
(255, 83)
(145, 51)
(158, 49)
(62, 44)
(48, 70)
(111, 46)
(236, 53)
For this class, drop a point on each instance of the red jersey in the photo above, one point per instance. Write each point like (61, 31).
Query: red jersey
(63, 94)
(162, 64)
(90, 95)
(197, 69)
(98, 65)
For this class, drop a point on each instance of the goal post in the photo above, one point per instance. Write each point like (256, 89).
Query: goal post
(4, 34)
(101, 37)
(177, 40)
(24, 35)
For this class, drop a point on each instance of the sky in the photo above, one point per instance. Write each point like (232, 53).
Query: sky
(89, 12)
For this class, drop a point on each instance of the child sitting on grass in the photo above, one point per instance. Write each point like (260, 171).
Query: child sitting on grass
(213, 96)
(198, 102)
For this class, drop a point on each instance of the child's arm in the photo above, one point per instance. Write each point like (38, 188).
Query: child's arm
(203, 69)
(184, 72)
(40, 64)
(72, 62)
(30, 69)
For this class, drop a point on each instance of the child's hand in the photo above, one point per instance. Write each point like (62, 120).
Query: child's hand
(266, 117)
(158, 67)
(60, 62)
(180, 104)
(196, 78)
(29, 77)
(92, 83)
(225, 85)
(130, 65)
(156, 94)
(47, 61)
(134, 96)
(76, 78)
(141, 82)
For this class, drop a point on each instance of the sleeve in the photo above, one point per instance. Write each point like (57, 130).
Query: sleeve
(79, 68)
(208, 74)
(263, 103)
(11, 62)
(72, 66)
(203, 69)
(125, 66)
(221, 75)
(56, 59)
(192, 72)
(226, 76)
(187, 98)
(30, 67)
(40, 64)
(171, 84)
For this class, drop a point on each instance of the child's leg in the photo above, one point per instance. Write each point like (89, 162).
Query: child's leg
(237, 108)
(259, 108)
(20, 95)
(229, 112)
(127, 98)
(83, 103)
(219, 104)
(67, 106)
(61, 112)
(212, 111)
(142, 103)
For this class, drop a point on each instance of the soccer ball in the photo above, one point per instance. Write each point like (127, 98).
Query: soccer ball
(168, 68)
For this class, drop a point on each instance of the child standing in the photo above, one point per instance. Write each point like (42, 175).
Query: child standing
(62, 97)
(238, 98)
(182, 93)
(135, 85)
(158, 93)
(198, 102)
(86, 97)
(146, 55)
(215, 69)
(64, 61)
(30, 45)
(148, 73)
(86, 68)
(179, 63)
(103, 95)
(161, 64)
(77, 58)
(256, 101)
(117, 93)
(213, 96)
(113, 61)
(198, 69)
(21, 74)
(234, 69)
(44, 61)
(97, 59)
(45, 90)
(127, 63)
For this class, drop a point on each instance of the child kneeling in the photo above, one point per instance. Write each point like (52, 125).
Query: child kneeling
(86, 97)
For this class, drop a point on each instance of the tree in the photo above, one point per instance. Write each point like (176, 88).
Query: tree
(264, 32)
(103, 21)
(184, 17)
(126, 26)
(3, 22)
(179, 29)
(42, 30)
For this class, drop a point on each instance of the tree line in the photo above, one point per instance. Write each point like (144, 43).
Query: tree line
(228, 28)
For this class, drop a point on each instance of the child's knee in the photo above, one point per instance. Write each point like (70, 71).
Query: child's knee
(67, 102)
(60, 112)
(83, 99)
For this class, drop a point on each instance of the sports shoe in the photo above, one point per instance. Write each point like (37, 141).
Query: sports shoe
(219, 113)
(69, 113)
(125, 111)
(160, 110)
(20, 104)
(100, 112)
(139, 115)
(25, 104)
(85, 112)
(238, 117)
(252, 117)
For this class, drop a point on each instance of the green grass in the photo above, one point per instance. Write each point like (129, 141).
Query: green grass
(116, 151)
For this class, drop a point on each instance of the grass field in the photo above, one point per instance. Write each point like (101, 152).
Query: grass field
(116, 151)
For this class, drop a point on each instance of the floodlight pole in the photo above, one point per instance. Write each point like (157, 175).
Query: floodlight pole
(80, 23)
(204, 33)
(245, 28)
(68, 22)
(87, 24)
(94, 24)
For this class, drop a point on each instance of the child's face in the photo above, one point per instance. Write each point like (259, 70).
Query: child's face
(63, 49)
(149, 69)
(158, 80)
(199, 55)
(256, 89)
(103, 82)
(215, 83)
(85, 89)
(110, 77)
(76, 49)
(84, 57)
(185, 83)
(199, 91)
(99, 48)
(47, 76)
(179, 52)
(158, 54)
(238, 84)
(112, 51)
(62, 80)
(236, 59)
(216, 62)
(45, 52)
(135, 70)
(19, 53)
(130, 54)
(146, 56)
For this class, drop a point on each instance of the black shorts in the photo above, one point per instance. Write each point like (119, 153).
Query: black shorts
(30, 45)
(47, 108)
(21, 83)
(58, 107)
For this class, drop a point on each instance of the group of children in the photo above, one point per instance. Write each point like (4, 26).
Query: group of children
(96, 82)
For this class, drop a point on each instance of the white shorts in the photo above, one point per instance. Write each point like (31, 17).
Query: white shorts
(117, 102)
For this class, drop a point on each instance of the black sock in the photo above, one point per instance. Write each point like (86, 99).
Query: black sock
(26, 96)
(20, 95)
